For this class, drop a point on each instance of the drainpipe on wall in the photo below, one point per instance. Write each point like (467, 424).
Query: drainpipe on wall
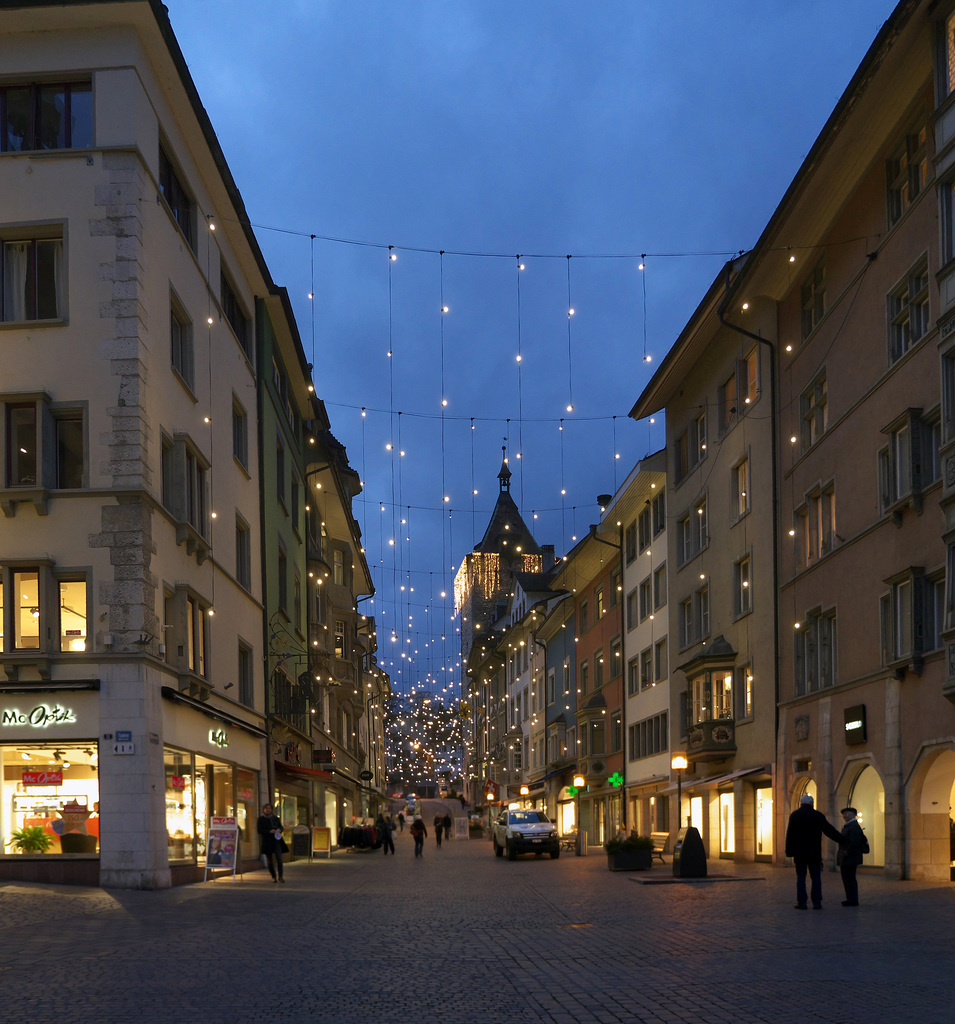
(721, 315)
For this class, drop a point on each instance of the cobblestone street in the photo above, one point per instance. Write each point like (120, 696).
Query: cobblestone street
(462, 936)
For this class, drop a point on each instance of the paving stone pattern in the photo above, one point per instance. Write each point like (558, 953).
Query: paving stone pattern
(461, 936)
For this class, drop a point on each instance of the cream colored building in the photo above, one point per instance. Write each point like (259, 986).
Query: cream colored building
(132, 599)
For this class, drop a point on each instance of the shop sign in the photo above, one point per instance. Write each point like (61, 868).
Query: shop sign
(40, 717)
(245, 795)
(35, 778)
(218, 738)
(855, 724)
(177, 782)
(292, 754)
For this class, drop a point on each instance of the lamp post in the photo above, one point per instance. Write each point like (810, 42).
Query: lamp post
(679, 764)
(579, 782)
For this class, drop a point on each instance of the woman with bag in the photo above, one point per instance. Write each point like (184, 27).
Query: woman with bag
(418, 832)
(273, 845)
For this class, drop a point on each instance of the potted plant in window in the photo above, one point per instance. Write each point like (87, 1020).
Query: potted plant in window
(30, 839)
(629, 853)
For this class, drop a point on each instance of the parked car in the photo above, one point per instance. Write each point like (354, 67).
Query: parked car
(525, 832)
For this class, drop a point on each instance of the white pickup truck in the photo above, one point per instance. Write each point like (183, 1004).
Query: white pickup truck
(525, 832)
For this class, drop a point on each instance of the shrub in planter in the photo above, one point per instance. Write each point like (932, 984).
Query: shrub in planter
(30, 839)
(629, 853)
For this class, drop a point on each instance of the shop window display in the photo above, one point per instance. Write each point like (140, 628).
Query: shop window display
(55, 788)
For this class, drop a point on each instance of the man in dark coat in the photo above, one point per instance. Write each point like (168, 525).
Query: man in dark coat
(804, 845)
(850, 856)
(269, 828)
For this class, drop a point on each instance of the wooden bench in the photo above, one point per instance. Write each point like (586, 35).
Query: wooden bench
(569, 842)
(660, 840)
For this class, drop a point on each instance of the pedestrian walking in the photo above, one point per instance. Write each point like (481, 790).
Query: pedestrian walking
(385, 828)
(850, 855)
(401, 821)
(271, 843)
(418, 833)
(804, 844)
(438, 829)
(446, 821)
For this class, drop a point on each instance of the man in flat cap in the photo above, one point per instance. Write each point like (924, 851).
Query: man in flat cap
(850, 855)
(804, 845)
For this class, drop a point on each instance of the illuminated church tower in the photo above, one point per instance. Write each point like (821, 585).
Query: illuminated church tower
(485, 579)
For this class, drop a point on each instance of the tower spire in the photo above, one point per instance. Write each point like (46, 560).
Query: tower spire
(505, 474)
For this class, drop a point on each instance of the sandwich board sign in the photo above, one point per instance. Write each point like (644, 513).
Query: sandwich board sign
(222, 846)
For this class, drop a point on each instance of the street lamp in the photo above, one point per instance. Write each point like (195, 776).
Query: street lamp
(579, 783)
(679, 764)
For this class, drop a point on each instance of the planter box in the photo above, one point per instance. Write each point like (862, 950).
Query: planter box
(630, 860)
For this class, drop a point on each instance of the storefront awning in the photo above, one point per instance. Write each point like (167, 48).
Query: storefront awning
(560, 771)
(217, 714)
(714, 782)
(305, 773)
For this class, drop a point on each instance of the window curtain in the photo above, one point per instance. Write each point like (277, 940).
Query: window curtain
(15, 263)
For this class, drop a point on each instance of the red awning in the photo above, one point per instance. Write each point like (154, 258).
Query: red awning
(307, 773)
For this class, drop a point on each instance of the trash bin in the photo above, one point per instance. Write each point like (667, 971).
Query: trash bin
(689, 855)
(583, 840)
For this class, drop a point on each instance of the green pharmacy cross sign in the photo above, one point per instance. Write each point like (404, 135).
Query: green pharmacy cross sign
(615, 780)
(572, 790)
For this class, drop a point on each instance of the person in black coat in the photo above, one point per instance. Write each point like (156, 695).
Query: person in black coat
(850, 856)
(804, 844)
(270, 837)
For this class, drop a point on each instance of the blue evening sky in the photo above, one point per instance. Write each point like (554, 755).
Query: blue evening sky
(545, 128)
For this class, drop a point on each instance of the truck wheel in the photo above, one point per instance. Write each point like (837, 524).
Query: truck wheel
(554, 854)
(498, 852)
(511, 852)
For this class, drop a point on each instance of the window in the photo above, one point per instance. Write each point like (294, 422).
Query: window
(815, 526)
(693, 617)
(584, 676)
(246, 691)
(598, 603)
(649, 737)
(646, 669)
(632, 615)
(912, 616)
(659, 513)
(73, 612)
(184, 488)
(551, 686)
(813, 299)
(598, 668)
(282, 581)
(661, 667)
(280, 470)
(727, 403)
(70, 449)
(196, 637)
(711, 696)
(744, 691)
(616, 732)
(946, 74)
(908, 311)
(615, 588)
(598, 736)
(630, 542)
(616, 658)
(566, 676)
(689, 449)
(815, 652)
(740, 484)
(814, 410)
(644, 526)
(240, 434)
(233, 312)
(296, 504)
(180, 333)
(742, 591)
(692, 533)
(46, 116)
(906, 172)
(660, 587)
(178, 200)
(282, 391)
(297, 601)
(31, 274)
(633, 677)
(26, 610)
(340, 649)
(338, 567)
(22, 455)
(243, 553)
(32, 593)
(646, 606)
(910, 462)
(584, 617)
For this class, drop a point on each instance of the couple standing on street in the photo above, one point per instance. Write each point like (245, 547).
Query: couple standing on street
(804, 844)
